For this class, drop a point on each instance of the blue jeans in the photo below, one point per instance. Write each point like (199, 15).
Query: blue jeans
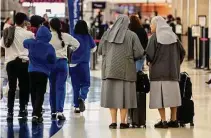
(80, 77)
(58, 77)
(140, 64)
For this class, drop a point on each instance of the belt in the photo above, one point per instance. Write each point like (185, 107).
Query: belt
(22, 60)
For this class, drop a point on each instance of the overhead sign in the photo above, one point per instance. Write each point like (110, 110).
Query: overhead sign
(98, 5)
(74, 13)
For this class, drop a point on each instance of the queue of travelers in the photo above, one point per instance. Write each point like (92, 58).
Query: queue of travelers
(39, 52)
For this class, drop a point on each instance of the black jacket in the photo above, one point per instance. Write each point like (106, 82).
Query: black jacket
(142, 35)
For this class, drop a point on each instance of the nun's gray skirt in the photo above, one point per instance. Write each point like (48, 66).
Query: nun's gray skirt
(118, 94)
(164, 94)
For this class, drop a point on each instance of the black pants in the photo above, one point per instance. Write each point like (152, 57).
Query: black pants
(18, 70)
(38, 83)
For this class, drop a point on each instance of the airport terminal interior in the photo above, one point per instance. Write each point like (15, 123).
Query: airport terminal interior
(194, 30)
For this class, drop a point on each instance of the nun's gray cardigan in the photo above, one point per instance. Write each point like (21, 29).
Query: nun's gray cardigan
(119, 59)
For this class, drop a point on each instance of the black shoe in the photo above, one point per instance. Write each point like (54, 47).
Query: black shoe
(173, 124)
(53, 116)
(81, 105)
(23, 114)
(124, 126)
(61, 116)
(10, 116)
(37, 120)
(77, 111)
(113, 126)
(161, 124)
(60, 123)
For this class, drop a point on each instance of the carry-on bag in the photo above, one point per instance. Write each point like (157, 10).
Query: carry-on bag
(185, 113)
(137, 116)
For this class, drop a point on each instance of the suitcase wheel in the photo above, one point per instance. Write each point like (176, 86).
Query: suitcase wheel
(144, 126)
(182, 125)
(192, 124)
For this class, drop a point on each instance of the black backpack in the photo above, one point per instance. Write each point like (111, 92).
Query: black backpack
(185, 86)
(142, 83)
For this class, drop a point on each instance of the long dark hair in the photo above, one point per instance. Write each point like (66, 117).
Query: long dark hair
(81, 28)
(56, 25)
(135, 23)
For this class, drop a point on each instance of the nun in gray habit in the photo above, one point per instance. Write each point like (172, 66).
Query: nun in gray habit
(119, 48)
(165, 55)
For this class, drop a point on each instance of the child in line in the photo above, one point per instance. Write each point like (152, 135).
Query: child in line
(58, 76)
(80, 70)
(42, 59)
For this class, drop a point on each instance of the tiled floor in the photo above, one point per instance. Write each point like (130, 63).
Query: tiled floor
(93, 123)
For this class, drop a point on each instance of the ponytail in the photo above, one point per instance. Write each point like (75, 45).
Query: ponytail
(60, 37)
(56, 25)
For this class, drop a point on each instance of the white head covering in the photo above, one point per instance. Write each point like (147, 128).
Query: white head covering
(117, 33)
(164, 32)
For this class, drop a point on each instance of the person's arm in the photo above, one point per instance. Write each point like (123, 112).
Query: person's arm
(182, 51)
(26, 43)
(143, 37)
(72, 42)
(138, 50)
(151, 48)
(94, 49)
(93, 45)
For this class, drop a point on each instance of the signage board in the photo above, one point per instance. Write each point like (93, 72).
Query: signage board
(98, 5)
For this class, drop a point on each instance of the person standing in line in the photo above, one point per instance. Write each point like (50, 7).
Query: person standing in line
(35, 21)
(58, 75)
(135, 26)
(80, 70)
(170, 21)
(7, 23)
(179, 28)
(165, 54)
(42, 58)
(16, 59)
(119, 47)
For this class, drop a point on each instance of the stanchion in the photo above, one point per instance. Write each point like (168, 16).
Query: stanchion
(190, 44)
(196, 52)
(204, 49)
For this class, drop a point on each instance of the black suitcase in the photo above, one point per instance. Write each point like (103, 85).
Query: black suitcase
(185, 113)
(137, 116)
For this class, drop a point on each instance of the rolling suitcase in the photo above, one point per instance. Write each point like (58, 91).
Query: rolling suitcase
(185, 113)
(137, 116)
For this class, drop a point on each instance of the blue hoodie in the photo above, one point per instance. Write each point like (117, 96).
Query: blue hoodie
(42, 56)
(82, 54)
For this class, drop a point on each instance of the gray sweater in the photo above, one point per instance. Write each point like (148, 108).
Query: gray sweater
(165, 60)
(119, 59)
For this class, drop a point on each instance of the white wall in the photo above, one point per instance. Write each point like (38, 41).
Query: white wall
(57, 9)
(210, 19)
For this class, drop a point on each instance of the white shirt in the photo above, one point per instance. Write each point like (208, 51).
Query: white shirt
(17, 49)
(61, 52)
